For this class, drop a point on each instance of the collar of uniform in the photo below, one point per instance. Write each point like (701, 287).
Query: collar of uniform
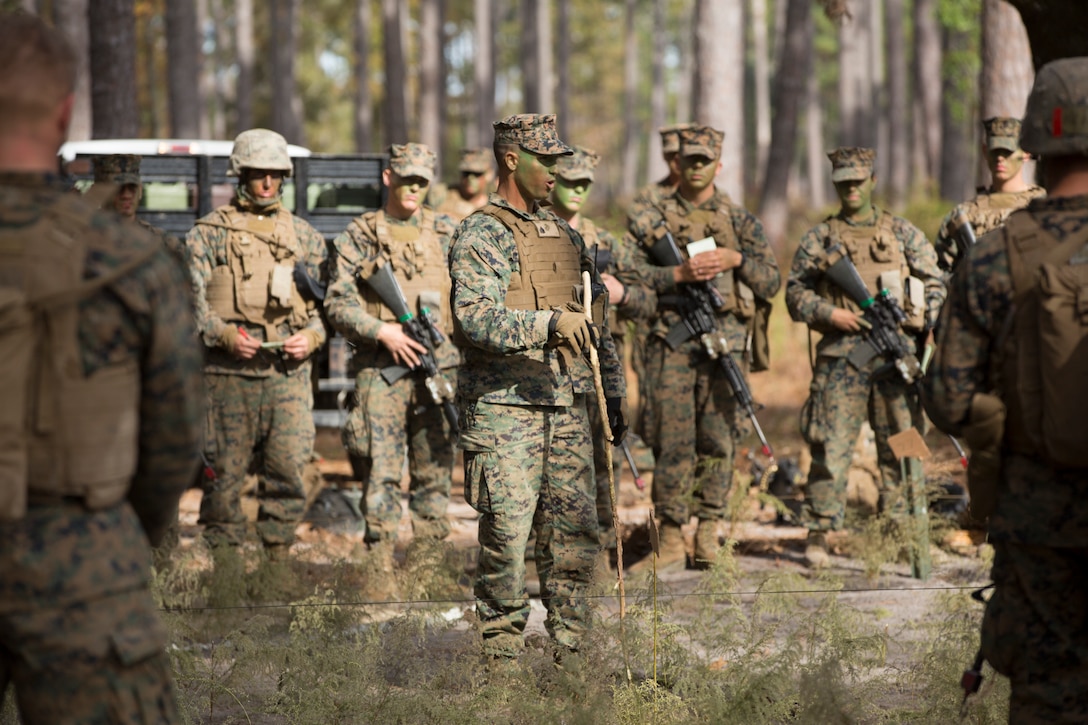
(714, 203)
(412, 221)
(538, 212)
(866, 223)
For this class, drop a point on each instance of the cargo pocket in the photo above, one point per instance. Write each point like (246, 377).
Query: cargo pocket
(142, 691)
(478, 444)
(813, 415)
(355, 435)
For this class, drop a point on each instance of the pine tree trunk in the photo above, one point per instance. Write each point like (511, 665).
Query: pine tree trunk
(761, 82)
(485, 12)
(396, 105)
(630, 99)
(430, 71)
(286, 102)
(364, 113)
(243, 40)
(789, 93)
(655, 164)
(183, 58)
(927, 90)
(719, 52)
(958, 159)
(112, 28)
(72, 20)
(898, 166)
(562, 69)
(1006, 75)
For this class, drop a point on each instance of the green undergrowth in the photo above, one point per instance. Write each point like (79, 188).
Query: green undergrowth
(783, 647)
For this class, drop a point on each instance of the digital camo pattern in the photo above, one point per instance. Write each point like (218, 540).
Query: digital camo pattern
(387, 422)
(272, 415)
(689, 416)
(118, 169)
(528, 449)
(842, 397)
(670, 137)
(475, 161)
(807, 305)
(851, 163)
(209, 247)
(986, 212)
(1034, 628)
(649, 197)
(582, 164)
(79, 634)
(701, 141)
(506, 360)
(412, 159)
(1002, 132)
(533, 132)
(531, 468)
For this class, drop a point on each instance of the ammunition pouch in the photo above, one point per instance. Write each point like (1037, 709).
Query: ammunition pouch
(984, 434)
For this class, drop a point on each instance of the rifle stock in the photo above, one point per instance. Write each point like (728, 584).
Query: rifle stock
(424, 330)
(964, 234)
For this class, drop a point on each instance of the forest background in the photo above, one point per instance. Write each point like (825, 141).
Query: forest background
(785, 79)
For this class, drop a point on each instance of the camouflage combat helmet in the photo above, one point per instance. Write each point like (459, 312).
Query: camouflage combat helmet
(534, 132)
(1002, 132)
(579, 165)
(412, 159)
(475, 161)
(1056, 120)
(851, 163)
(118, 169)
(259, 148)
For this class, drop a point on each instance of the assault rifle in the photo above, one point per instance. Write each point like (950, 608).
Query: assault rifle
(881, 321)
(697, 310)
(424, 330)
(964, 233)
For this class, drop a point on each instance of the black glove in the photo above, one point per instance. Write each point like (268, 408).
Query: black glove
(617, 419)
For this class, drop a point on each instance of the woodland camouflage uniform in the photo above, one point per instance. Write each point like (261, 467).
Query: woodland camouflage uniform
(689, 416)
(525, 428)
(473, 161)
(841, 396)
(1034, 630)
(260, 410)
(80, 637)
(651, 195)
(387, 421)
(638, 304)
(990, 208)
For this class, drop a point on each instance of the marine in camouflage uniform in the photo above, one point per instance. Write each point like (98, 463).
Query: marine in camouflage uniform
(260, 327)
(651, 195)
(889, 252)
(689, 415)
(388, 420)
(992, 206)
(574, 176)
(123, 170)
(98, 452)
(523, 388)
(1034, 629)
(477, 176)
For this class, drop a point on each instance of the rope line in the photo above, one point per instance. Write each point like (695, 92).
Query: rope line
(589, 597)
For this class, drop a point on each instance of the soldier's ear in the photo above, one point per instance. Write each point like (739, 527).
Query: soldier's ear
(511, 158)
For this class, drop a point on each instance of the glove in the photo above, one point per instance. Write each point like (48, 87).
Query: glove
(617, 418)
(570, 325)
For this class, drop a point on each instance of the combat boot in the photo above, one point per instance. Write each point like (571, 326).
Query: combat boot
(672, 552)
(707, 544)
(816, 553)
(381, 570)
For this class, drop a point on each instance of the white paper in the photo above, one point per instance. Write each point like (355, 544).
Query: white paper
(705, 244)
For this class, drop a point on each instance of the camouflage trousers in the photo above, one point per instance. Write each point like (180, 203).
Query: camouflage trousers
(689, 419)
(840, 398)
(1035, 631)
(530, 468)
(264, 424)
(385, 423)
(600, 473)
(80, 636)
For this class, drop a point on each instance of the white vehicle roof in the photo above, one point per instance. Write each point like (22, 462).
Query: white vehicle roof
(156, 146)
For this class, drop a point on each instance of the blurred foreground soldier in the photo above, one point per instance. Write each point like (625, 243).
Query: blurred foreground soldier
(690, 416)
(253, 264)
(472, 187)
(1009, 376)
(573, 179)
(650, 195)
(889, 253)
(388, 420)
(123, 170)
(99, 429)
(524, 387)
(1007, 193)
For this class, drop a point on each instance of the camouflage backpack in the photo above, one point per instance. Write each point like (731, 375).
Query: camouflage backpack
(55, 424)
(1046, 356)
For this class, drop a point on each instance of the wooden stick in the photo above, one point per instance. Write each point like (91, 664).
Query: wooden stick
(602, 409)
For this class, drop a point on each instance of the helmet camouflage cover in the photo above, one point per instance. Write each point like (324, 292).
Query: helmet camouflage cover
(1056, 119)
(259, 148)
